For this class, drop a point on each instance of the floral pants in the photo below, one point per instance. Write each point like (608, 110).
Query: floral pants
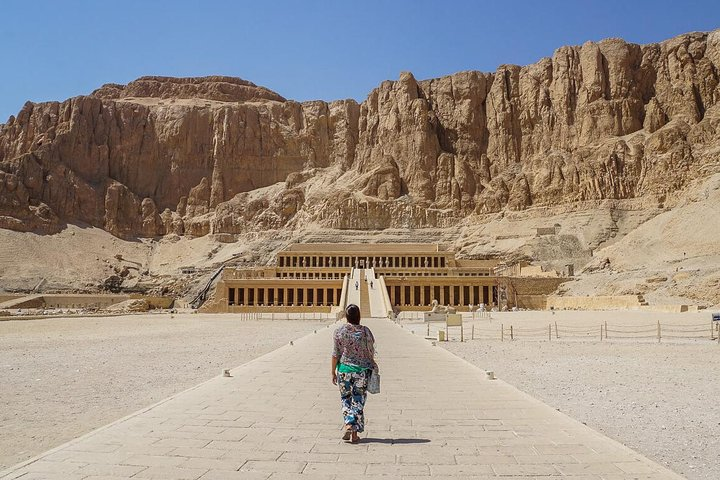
(353, 392)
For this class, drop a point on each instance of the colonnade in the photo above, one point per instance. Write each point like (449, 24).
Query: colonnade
(349, 261)
(422, 295)
(315, 275)
(283, 296)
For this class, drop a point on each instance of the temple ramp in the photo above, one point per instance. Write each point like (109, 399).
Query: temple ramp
(377, 294)
(351, 293)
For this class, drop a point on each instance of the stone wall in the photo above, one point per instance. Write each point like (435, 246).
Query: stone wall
(594, 303)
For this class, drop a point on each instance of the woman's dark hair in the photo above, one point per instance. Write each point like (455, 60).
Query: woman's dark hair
(352, 313)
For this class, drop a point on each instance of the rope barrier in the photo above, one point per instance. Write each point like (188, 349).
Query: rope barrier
(647, 330)
(673, 329)
(633, 326)
(696, 325)
(695, 331)
(562, 328)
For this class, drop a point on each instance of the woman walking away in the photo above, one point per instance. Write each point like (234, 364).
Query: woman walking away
(353, 360)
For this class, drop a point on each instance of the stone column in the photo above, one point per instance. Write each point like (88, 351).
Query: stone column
(402, 294)
(462, 294)
(422, 295)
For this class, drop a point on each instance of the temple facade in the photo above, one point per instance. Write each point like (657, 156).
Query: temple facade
(325, 277)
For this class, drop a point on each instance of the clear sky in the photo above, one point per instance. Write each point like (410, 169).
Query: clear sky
(305, 49)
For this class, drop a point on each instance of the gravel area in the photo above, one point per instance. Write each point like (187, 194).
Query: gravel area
(63, 377)
(659, 399)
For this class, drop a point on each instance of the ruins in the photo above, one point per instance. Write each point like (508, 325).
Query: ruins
(395, 277)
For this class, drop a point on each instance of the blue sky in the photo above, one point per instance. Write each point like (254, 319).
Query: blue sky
(304, 49)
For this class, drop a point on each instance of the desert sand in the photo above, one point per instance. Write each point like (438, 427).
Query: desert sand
(656, 398)
(62, 378)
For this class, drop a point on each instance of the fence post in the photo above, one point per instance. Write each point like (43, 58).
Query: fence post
(601, 332)
(428, 329)
(502, 333)
(606, 330)
(472, 332)
(550, 332)
(512, 337)
(659, 334)
(557, 335)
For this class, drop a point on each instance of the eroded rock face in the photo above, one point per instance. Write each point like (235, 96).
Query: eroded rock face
(192, 156)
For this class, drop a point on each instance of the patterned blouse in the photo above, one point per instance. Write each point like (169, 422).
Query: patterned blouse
(354, 345)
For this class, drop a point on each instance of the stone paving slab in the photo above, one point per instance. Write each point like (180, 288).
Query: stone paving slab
(278, 417)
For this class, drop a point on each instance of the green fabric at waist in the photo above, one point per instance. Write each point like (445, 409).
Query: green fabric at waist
(345, 368)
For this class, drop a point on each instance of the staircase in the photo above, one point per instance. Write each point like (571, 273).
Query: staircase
(364, 299)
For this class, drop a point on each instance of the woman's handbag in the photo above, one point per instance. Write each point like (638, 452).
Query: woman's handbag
(374, 381)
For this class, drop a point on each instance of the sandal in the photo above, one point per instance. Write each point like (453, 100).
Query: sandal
(347, 434)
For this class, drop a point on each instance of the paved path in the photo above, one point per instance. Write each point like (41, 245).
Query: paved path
(278, 418)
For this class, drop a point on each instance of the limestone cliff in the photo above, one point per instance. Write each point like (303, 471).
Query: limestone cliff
(192, 156)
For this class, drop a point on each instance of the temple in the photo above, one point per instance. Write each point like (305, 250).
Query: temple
(381, 278)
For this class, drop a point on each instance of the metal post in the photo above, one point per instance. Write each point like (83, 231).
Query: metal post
(557, 335)
(549, 332)
(606, 336)
(502, 333)
(512, 337)
(472, 333)
(659, 336)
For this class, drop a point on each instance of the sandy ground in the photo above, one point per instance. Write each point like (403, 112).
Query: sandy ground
(61, 378)
(657, 398)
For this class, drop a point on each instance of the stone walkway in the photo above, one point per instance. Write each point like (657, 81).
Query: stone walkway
(278, 417)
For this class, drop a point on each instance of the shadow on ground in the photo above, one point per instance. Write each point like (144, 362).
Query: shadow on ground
(394, 441)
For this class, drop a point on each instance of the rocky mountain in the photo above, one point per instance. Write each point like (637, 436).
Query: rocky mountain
(192, 156)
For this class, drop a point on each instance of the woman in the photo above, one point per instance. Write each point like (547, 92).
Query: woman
(353, 360)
